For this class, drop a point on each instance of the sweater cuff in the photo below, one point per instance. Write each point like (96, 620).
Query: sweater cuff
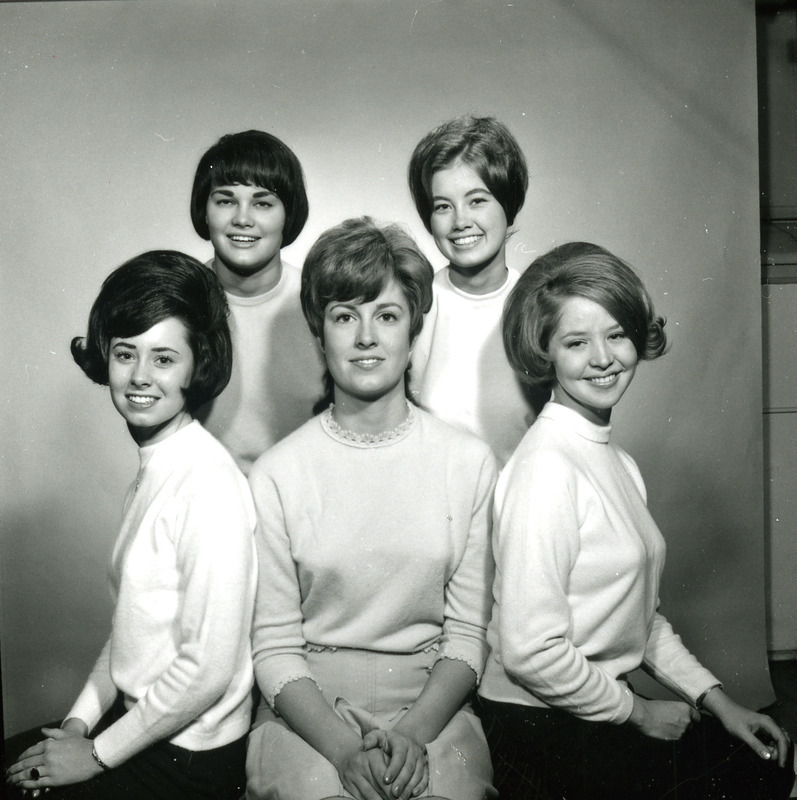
(476, 664)
(699, 701)
(626, 705)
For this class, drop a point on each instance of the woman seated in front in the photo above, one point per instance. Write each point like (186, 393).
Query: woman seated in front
(375, 565)
(578, 564)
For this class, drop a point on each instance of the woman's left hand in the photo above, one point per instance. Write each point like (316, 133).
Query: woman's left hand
(63, 757)
(407, 772)
(758, 731)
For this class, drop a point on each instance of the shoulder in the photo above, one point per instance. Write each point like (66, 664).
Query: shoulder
(632, 468)
(205, 459)
(513, 276)
(545, 449)
(460, 444)
(289, 454)
(197, 476)
(291, 277)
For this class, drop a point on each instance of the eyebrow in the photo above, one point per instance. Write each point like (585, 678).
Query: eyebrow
(611, 328)
(477, 190)
(131, 346)
(230, 192)
(352, 304)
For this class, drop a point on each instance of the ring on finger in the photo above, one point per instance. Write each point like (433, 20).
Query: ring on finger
(34, 774)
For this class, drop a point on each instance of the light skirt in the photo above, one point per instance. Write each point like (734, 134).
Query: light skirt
(367, 690)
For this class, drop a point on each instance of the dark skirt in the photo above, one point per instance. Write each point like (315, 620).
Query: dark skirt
(549, 754)
(162, 771)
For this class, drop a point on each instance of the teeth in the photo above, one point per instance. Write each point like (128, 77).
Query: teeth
(367, 361)
(603, 380)
(141, 401)
(464, 240)
(244, 238)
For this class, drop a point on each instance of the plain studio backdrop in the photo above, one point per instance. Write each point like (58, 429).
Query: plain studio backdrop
(638, 119)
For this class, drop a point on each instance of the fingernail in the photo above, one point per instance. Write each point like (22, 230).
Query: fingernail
(388, 778)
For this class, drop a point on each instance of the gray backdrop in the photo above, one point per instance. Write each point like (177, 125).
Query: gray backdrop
(638, 119)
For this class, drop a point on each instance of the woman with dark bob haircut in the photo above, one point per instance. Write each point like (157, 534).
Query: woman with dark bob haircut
(375, 566)
(468, 179)
(168, 703)
(148, 289)
(578, 562)
(249, 200)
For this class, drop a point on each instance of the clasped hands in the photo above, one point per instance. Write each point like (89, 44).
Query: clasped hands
(63, 757)
(389, 766)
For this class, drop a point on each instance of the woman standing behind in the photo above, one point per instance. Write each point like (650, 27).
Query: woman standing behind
(578, 563)
(169, 699)
(249, 200)
(468, 179)
(373, 528)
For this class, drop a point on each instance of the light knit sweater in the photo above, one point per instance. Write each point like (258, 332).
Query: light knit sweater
(277, 373)
(578, 563)
(183, 573)
(460, 370)
(381, 547)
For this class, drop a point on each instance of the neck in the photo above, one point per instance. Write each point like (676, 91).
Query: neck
(157, 433)
(597, 416)
(248, 284)
(481, 279)
(370, 416)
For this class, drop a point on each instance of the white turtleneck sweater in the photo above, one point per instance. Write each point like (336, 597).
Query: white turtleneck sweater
(183, 573)
(578, 564)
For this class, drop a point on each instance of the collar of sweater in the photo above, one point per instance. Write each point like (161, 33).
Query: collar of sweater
(575, 422)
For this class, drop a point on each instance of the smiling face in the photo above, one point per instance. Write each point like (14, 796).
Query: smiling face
(147, 375)
(245, 224)
(594, 360)
(468, 224)
(367, 346)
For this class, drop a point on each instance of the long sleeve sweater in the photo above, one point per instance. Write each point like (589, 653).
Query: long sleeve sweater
(380, 547)
(460, 371)
(578, 564)
(183, 573)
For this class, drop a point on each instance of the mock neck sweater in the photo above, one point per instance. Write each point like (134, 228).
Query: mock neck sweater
(183, 574)
(460, 372)
(381, 546)
(578, 564)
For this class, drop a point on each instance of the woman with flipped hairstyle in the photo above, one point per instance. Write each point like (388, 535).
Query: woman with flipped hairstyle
(168, 703)
(249, 200)
(373, 541)
(468, 179)
(578, 564)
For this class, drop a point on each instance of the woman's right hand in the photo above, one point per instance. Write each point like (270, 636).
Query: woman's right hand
(407, 772)
(362, 774)
(662, 719)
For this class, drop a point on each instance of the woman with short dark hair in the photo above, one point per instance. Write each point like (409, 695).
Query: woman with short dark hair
(168, 702)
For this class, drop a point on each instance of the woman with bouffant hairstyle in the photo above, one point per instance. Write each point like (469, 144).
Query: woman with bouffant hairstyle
(166, 709)
(578, 564)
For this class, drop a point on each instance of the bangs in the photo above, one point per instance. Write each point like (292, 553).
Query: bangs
(356, 282)
(245, 173)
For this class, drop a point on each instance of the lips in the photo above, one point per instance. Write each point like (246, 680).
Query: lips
(466, 241)
(142, 400)
(366, 363)
(604, 380)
